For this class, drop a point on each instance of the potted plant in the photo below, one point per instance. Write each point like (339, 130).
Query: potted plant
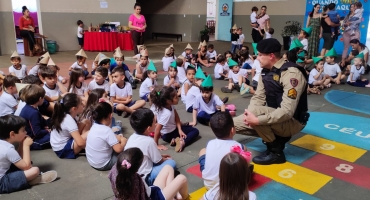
(292, 28)
(204, 34)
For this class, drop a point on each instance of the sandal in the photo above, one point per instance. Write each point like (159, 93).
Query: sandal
(180, 144)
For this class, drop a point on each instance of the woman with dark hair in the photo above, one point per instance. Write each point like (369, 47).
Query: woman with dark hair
(361, 48)
(27, 27)
(263, 20)
(326, 32)
(313, 21)
(137, 24)
(347, 37)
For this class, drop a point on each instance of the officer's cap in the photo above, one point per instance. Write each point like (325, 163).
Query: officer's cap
(270, 45)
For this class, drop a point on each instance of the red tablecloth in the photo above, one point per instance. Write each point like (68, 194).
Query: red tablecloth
(100, 41)
(125, 42)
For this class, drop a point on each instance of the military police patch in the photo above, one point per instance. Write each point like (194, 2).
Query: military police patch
(294, 82)
(292, 93)
(276, 77)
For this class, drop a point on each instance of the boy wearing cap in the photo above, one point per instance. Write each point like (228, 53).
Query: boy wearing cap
(303, 35)
(187, 52)
(237, 79)
(167, 59)
(332, 70)
(120, 58)
(80, 63)
(17, 69)
(149, 83)
(206, 104)
(95, 64)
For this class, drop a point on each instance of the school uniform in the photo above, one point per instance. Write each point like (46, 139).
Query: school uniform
(7, 104)
(211, 55)
(145, 88)
(219, 69)
(62, 141)
(19, 73)
(257, 67)
(356, 76)
(125, 91)
(34, 70)
(213, 193)
(206, 110)
(84, 68)
(167, 62)
(304, 41)
(52, 92)
(247, 64)
(193, 92)
(99, 143)
(331, 69)
(80, 91)
(183, 95)
(181, 74)
(235, 76)
(169, 131)
(311, 78)
(94, 85)
(166, 80)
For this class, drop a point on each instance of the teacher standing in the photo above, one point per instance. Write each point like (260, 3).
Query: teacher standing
(27, 27)
(263, 21)
(314, 22)
(137, 24)
(326, 33)
(347, 37)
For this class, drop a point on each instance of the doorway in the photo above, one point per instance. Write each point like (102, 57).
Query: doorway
(211, 18)
(17, 14)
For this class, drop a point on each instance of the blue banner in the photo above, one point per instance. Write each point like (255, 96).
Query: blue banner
(224, 17)
(343, 8)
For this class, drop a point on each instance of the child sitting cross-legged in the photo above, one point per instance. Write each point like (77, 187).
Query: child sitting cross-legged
(169, 126)
(67, 137)
(8, 103)
(194, 90)
(127, 181)
(237, 79)
(190, 72)
(172, 80)
(222, 125)
(149, 83)
(77, 85)
(17, 69)
(16, 171)
(80, 63)
(53, 89)
(102, 145)
(332, 69)
(143, 122)
(206, 104)
(220, 73)
(119, 59)
(317, 80)
(121, 94)
(357, 70)
(37, 127)
(142, 65)
(100, 81)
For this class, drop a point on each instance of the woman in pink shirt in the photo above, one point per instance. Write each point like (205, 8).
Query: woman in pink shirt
(137, 24)
(263, 20)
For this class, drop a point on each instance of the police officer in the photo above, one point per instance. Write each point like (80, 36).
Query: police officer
(278, 109)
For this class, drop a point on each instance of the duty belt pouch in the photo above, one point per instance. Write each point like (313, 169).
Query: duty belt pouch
(303, 118)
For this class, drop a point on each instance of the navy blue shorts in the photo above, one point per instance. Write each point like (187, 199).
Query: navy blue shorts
(80, 41)
(145, 97)
(190, 109)
(120, 112)
(202, 162)
(67, 152)
(13, 180)
(156, 193)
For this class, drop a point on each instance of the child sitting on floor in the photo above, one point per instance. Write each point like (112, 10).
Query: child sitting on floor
(194, 90)
(80, 63)
(149, 83)
(167, 59)
(180, 69)
(99, 80)
(67, 137)
(317, 77)
(222, 126)
(142, 66)
(172, 80)
(357, 70)
(8, 102)
(237, 80)
(16, 170)
(37, 127)
(169, 126)
(95, 64)
(119, 59)
(17, 69)
(104, 62)
(190, 72)
(211, 54)
(188, 53)
(121, 94)
(102, 145)
(54, 89)
(332, 69)
(77, 85)
(206, 104)
(137, 56)
(220, 73)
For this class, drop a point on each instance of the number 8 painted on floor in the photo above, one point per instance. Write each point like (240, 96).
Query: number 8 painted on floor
(344, 168)
(287, 173)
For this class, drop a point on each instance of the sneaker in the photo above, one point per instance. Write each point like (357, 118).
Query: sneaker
(133, 85)
(46, 177)
(226, 79)
(225, 100)
(226, 90)
(244, 89)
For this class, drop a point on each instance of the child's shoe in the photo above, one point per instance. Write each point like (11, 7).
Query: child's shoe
(46, 177)
(244, 89)
(225, 100)
(226, 90)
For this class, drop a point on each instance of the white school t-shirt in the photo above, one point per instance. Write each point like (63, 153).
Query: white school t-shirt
(209, 107)
(167, 62)
(181, 74)
(212, 194)
(145, 86)
(212, 54)
(99, 143)
(80, 91)
(193, 92)
(8, 156)
(20, 73)
(50, 92)
(356, 73)
(34, 70)
(166, 118)
(183, 95)
(305, 44)
(7, 104)
(166, 80)
(79, 31)
(268, 35)
(59, 139)
(313, 73)
(126, 91)
(241, 39)
(219, 69)
(331, 70)
(93, 85)
(149, 148)
(235, 77)
(257, 66)
(216, 149)
(253, 17)
(76, 66)
(20, 106)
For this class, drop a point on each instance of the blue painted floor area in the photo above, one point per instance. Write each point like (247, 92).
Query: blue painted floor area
(278, 191)
(346, 129)
(349, 100)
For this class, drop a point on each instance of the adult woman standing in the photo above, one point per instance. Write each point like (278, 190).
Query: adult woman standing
(347, 37)
(137, 24)
(313, 21)
(27, 27)
(326, 25)
(263, 21)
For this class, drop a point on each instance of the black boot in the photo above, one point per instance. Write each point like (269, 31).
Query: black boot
(282, 141)
(268, 149)
(276, 155)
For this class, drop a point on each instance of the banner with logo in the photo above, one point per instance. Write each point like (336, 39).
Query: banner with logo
(224, 18)
(343, 8)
